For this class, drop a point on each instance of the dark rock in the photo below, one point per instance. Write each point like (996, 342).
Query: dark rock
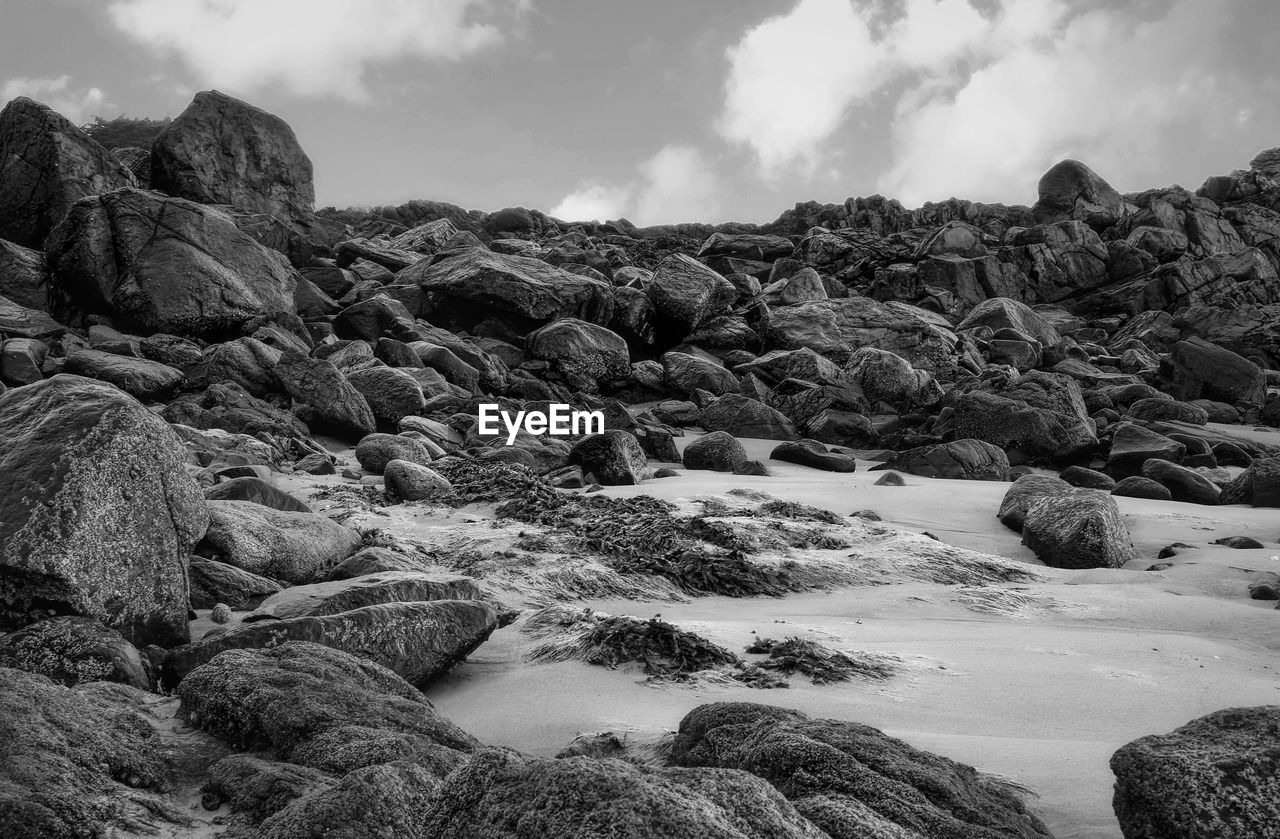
(71, 650)
(998, 313)
(331, 403)
(374, 561)
(1080, 476)
(1197, 369)
(1139, 487)
(375, 451)
(586, 355)
(1166, 410)
(841, 428)
(22, 360)
(258, 491)
(813, 454)
(751, 467)
(962, 459)
(194, 275)
(343, 595)
(418, 641)
(391, 394)
(215, 582)
(411, 481)
(1071, 190)
(718, 451)
(245, 362)
(1213, 777)
(1079, 528)
(742, 416)
(374, 318)
(687, 374)
(98, 514)
(889, 378)
(1239, 542)
(145, 380)
(24, 277)
(1183, 484)
(890, 479)
(835, 328)
(295, 547)
(614, 458)
(258, 788)
(1042, 418)
(1258, 485)
(686, 293)
(46, 165)
(1023, 494)
(1132, 445)
(230, 408)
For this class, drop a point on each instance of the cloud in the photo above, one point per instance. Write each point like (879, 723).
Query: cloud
(675, 185)
(76, 104)
(978, 97)
(315, 48)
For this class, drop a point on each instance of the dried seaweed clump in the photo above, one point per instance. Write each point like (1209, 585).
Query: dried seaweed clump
(796, 510)
(821, 664)
(488, 481)
(666, 651)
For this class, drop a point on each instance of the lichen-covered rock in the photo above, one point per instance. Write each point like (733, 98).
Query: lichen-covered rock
(411, 481)
(98, 514)
(501, 794)
(46, 165)
(418, 641)
(614, 457)
(257, 788)
(852, 780)
(836, 328)
(1078, 528)
(294, 547)
(71, 650)
(375, 451)
(1025, 492)
(332, 597)
(718, 451)
(372, 802)
(158, 264)
(972, 460)
(587, 356)
(1217, 777)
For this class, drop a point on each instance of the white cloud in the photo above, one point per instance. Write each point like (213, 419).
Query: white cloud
(76, 104)
(675, 185)
(309, 47)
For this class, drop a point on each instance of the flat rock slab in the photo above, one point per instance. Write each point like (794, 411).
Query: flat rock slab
(336, 596)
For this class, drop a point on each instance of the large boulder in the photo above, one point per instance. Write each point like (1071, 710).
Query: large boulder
(743, 416)
(1071, 190)
(614, 457)
(1011, 423)
(718, 451)
(1132, 445)
(157, 264)
(587, 356)
(1184, 484)
(214, 582)
(1080, 528)
(391, 393)
(973, 460)
(230, 408)
(250, 488)
(294, 547)
(46, 165)
(480, 280)
(686, 293)
(327, 402)
(375, 451)
(887, 377)
(1213, 778)
(1197, 369)
(853, 780)
(1000, 313)
(1258, 485)
(224, 151)
(142, 379)
(98, 514)
(1025, 492)
(410, 481)
(71, 650)
(334, 596)
(417, 641)
(24, 276)
(835, 328)
(687, 374)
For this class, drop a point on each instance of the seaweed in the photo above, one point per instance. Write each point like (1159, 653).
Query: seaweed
(819, 663)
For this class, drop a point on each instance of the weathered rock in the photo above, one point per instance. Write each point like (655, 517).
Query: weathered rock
(22, 360)
(98, 514)
(999, 313)
(687, 374)
(24, 277)
(1037, 430)
(330, 403)
(1072, 190)
(245, 362)
(410, 481)
(159, 264)
(142, 379)
(801, 287)
(886, 377)
(1258, 485)
(587, 356)
(392, 394)
(214, 582)
(615, 458)
(1136, 486)
(375, 451)
(1213, 778)
(835, 328)
(375, 561)
(1085, 478)
(71, 650)
(230, 408)
(852, 780)
(295, 547)
(718, 451)
(257, 788)
(685, 293)
(1132, 445)
(972, 460)
(258, 491)
(743, 416)
(221, 150)
(1024, 493)
(334, 596)
(46, 165)
(1166, 410)
(417, 641)
(1079, 528)
(1183, 484)
(813, 454)
(22, 322)
(1197, 369)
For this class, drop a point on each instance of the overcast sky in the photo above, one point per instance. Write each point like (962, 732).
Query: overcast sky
(685, 110)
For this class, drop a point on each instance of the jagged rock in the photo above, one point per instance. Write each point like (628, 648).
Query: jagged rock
(516, 285)
(221, 150)
(1077, 528)
(375, 451)
(46, 165)
(230, 408)
(214, 582)
(761, 248)
(98, 514)
(1213, 777)
(417, 641)
(886, 377)
(331, 403)
(1024, 493)
(743, 416)
(961, 459)
(258, 491)
(71, 650)
(391, 393)
(687, 374)
(334, 596)
(718, 451)
(24, 277)
(142, 379)
(195, 275)
(685, 293)
(586, 355)
(378, 316)
(813, 454)
(1060, 260)
(1258, 485)
(852, 780)
(615, 458)
(835, 328)
(410, 481)
(22, 322)
(1072, 190)
(1183, 484)
(1198, 369)
(295, 547)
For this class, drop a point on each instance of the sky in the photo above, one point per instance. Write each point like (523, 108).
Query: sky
(665, 111)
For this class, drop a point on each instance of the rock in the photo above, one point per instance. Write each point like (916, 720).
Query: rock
(375, 451)
(21, 322)
(230, 408)
(813, 454)
(1239, 543)
(890, 479)
(1183, 484)
(331, 404)
(392, 394)
(615, 458)
(514, 285)
(245, 362)
(148, 381)
(1139, 487)
(1197, 369)
(1023, 494)
(334, 596)
(1213, 777)
(801, 287)
(374, 561)
(742, 416)
(417, 641)
(1132, 445)
(22, 360)
(221, 150)
(24, 277)
(718, 451)
(1055, 428)
(81, 762)
(46, 165)
(1166, 410)
(410, 481)
(72, 650)
(256, 788)
(961, 459)
(1085, 478)
(999, 313)
(852, 780)
(220, 613)
(835, 328)
(841, 428)
(686, 293)
(1258, 485)
(889, 378)
(214, 583)
(686, 374)
(98, 514)
(1079, 528)
(294, 547)
(258, 491)
(194, 275)
(1071, 190)
(751, 467)
(585, 355)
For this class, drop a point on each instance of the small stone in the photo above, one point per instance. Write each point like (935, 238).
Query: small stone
(221, 613)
